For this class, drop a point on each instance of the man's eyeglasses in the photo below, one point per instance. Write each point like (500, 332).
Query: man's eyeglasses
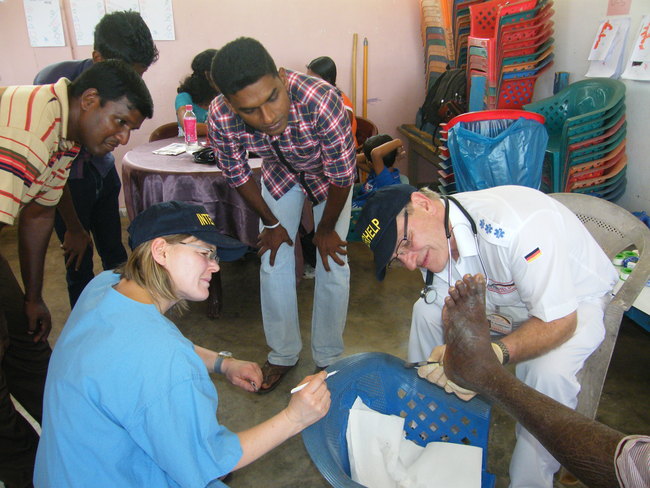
(211, 254)
(403, 244)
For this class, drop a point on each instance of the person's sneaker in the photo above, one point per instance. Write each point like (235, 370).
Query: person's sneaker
(309, 273)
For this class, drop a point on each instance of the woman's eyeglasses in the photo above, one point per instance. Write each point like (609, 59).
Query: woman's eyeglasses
(211, 254)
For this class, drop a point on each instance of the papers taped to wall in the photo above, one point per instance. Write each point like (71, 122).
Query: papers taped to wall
(638, 66)
(606, 55)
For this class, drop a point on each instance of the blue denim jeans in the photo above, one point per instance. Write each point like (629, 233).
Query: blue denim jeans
(278, 289)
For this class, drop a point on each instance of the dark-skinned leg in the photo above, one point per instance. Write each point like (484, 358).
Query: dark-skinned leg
(467, 333)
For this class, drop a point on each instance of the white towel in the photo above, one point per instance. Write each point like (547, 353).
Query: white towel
(381, 457)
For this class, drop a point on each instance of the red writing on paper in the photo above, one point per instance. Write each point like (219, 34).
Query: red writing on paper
(644, 35)
(603, 32)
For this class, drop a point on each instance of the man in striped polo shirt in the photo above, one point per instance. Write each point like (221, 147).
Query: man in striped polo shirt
(41, 131)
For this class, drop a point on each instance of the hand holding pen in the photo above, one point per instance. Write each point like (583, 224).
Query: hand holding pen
(310, 401)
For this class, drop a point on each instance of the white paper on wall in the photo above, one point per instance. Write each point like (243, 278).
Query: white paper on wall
(606, 55)
(638, 66)
(44, 23)
(85, 16)
(159, 16)
(604, 40)
(115, 5)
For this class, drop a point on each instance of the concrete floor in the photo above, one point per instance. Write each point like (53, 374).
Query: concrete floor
(378, 320)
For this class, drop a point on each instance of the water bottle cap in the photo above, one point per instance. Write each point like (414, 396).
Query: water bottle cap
(188, 107)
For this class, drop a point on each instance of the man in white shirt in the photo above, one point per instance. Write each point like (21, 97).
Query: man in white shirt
(548, 283)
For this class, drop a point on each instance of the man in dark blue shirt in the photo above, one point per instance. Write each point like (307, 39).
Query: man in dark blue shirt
(89, 204)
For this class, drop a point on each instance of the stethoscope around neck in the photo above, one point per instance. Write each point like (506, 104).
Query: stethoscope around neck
(428, 293)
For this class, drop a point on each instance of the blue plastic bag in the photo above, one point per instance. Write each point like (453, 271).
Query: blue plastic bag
(496, 152)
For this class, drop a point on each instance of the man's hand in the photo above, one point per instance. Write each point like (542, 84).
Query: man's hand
(39, 321)
(244, 374)
(329, 244)
(435, 373)
(272, 239)
(75, 245)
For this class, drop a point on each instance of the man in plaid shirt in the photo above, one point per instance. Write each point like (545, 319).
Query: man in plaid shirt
(299, 127)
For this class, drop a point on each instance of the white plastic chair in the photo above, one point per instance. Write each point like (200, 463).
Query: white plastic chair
(615, 229)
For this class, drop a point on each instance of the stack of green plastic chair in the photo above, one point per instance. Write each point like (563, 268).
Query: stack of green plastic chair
(587, 129)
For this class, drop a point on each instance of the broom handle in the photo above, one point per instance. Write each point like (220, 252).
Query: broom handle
(364, 113)
(354, 71)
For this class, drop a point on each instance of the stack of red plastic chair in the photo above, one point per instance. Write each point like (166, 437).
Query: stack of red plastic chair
(461, 29)
(509, 46)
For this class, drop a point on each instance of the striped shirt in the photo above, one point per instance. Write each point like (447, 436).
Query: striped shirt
(317, 146)
(632, 461)
(35, 155)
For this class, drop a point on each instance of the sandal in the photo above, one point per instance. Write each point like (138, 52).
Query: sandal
(272, 374)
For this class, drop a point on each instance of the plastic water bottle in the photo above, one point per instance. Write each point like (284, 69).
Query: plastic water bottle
(189, 127)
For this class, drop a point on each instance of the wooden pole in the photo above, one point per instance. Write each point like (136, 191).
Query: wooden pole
(355, 38)
(364, 112)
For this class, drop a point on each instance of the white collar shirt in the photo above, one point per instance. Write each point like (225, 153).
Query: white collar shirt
(539, 259)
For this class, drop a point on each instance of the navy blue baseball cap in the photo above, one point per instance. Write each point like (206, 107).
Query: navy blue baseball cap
(377, 226)
(167, 218)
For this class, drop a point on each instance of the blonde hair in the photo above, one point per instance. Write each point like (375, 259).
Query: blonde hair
(427, 192)
(142, 269)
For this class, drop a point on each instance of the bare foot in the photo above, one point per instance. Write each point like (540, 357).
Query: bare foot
(467, 335)
(465, 305)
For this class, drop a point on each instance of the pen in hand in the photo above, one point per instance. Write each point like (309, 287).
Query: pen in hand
(300, 387)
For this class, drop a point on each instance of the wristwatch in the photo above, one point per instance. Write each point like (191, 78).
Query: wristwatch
(220, 357)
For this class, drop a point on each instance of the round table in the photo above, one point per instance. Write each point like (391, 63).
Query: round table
(150, 178)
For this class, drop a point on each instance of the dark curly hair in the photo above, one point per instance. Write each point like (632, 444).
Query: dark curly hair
(241, 63)
(376, 141)
(124, 35)
(197, 84)
(114, 79)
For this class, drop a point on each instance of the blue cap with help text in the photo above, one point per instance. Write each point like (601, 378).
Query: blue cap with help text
(377, 226)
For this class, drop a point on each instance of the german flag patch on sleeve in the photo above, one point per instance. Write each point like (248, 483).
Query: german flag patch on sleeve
(533, 255)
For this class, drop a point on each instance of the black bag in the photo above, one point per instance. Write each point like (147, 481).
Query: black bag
(445, 99)
(204, 156)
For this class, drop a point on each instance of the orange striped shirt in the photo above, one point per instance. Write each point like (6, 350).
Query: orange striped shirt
(35, 155)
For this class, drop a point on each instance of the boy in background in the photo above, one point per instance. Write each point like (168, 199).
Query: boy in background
(377, 159)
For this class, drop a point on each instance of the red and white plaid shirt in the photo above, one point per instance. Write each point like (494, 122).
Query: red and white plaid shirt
(317, 142)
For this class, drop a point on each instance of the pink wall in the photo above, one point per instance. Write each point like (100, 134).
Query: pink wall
(294, 32)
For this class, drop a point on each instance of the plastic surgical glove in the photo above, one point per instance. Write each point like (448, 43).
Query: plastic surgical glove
(435, 373)
(462, 393)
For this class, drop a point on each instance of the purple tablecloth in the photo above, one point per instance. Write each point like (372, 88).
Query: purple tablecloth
(150, 178)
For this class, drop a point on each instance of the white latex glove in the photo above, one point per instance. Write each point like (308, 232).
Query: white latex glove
(497, 350)
(435, 373)
(462, 393)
